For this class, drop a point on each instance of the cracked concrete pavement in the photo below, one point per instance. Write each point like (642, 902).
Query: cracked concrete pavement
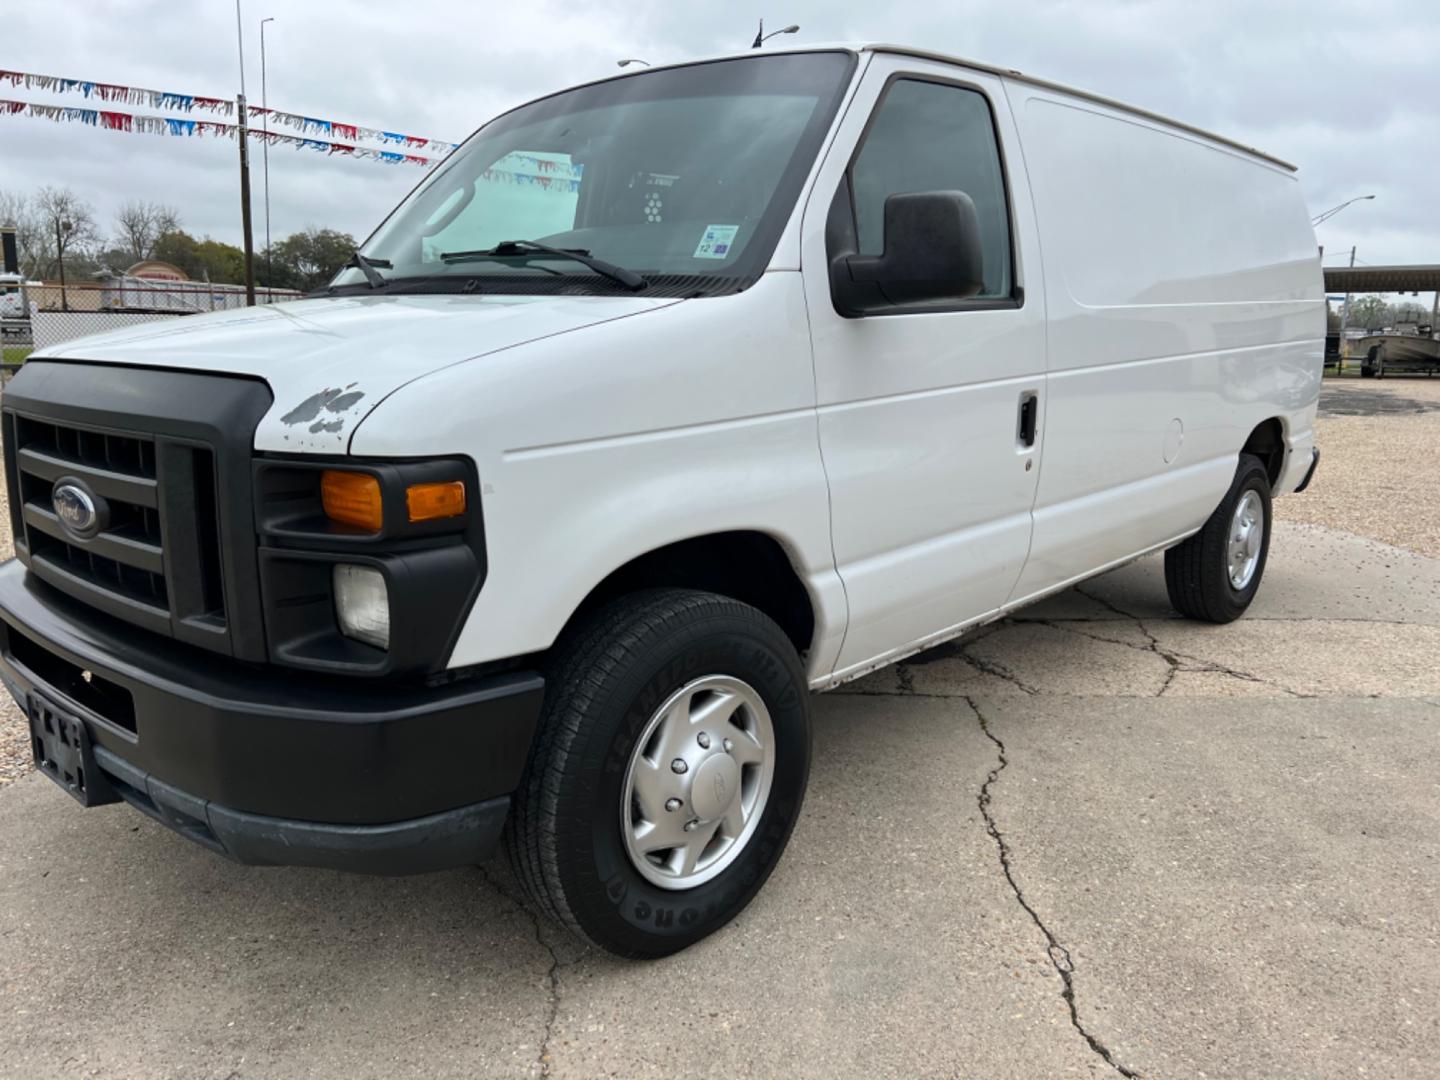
(1091, 840)
(1218, 846)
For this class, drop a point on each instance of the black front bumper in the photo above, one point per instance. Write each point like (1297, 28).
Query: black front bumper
(270, 767)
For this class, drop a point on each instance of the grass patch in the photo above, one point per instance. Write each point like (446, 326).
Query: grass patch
(15, 354)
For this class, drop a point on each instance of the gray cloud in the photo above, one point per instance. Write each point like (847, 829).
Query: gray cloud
(1350, 92)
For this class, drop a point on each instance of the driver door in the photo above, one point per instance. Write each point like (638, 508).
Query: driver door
(931, 458)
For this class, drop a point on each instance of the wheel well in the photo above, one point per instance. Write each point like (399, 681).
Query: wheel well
(748, 566)
(1267, 442)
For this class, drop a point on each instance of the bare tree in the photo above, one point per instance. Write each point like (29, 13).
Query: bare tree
(19, 210)
(67, 226)
(139, 224)
(1409, 311)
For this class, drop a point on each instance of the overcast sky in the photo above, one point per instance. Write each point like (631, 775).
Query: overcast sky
(1349, 91)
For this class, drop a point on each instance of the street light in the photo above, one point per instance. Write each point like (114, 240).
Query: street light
(1328, 214)
(632, 60)
(761, 37)
(265, 151)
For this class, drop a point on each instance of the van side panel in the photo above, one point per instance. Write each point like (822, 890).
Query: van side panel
(598, 447)
(1185, 307)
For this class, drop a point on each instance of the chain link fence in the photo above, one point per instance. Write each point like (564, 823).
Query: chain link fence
(38, 316)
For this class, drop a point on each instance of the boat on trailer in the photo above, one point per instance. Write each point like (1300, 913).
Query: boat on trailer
(1409, 348)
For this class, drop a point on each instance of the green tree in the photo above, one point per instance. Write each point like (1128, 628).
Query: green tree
(306, 260)
(1368, 312)
(202, 260)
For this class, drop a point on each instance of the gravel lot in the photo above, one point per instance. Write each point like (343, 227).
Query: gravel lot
(1379, 469)
(1378, 477)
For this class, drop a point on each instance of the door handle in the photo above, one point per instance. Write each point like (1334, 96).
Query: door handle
(1029, 410)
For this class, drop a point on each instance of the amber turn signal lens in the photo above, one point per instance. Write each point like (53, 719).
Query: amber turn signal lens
(352, 498)
(429, 502)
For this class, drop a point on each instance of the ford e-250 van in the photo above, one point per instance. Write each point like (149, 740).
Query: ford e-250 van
(661, 403)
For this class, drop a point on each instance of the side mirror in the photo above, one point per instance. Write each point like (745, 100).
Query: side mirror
(932, 252)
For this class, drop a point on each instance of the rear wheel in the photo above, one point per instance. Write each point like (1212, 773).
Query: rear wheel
(668, 771)
(1215, 574)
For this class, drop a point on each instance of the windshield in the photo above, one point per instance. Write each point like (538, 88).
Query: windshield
(686, 173)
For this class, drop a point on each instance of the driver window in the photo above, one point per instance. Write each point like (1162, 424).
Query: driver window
(929, 136)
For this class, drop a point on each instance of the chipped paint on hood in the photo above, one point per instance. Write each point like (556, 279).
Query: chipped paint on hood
(330, 361)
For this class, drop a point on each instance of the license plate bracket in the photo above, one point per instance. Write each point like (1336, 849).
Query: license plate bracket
(60, 742)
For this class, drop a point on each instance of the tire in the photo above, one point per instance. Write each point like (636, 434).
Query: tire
(609, 681)
(1198, 570)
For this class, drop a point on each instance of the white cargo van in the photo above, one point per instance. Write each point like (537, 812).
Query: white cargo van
(663, 402)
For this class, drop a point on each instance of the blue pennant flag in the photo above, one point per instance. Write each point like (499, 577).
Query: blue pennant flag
(180, 127)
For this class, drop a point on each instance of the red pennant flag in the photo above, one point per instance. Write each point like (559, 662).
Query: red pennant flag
(341, 148)
(116, 121)
(344, 131)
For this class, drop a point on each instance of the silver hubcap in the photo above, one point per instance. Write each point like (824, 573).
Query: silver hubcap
(697, 782)
(1247, 530)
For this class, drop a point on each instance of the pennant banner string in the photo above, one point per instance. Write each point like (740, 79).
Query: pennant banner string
(181, 126)
(187, 103)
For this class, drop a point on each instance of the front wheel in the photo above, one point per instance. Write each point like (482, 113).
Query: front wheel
(1214, 575)
(667, 772)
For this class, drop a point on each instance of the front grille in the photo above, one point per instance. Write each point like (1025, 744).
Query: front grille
(169, 452)
(156, 561)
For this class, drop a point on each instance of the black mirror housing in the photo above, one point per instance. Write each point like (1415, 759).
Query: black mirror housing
(932, 253)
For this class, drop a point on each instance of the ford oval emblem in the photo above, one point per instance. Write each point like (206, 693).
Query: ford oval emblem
(81, 512)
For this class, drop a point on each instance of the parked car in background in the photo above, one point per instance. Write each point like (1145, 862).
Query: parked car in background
(665, 401)
(12, 298)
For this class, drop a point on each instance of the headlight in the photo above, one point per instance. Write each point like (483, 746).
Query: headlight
(362, 604)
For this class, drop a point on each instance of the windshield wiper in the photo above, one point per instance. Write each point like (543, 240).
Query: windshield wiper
(367, 267)
(628, 278)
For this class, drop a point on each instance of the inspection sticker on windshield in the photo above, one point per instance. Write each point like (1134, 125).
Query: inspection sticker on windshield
(717, 241)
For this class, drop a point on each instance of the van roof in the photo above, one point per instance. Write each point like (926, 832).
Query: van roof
(1088, 95)
(1009, 73)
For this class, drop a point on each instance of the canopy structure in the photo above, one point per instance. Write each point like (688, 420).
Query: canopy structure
(1382, 279)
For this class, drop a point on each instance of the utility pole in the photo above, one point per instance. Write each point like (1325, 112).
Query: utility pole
(242, 133)
(1345, 321)
(61, 227)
